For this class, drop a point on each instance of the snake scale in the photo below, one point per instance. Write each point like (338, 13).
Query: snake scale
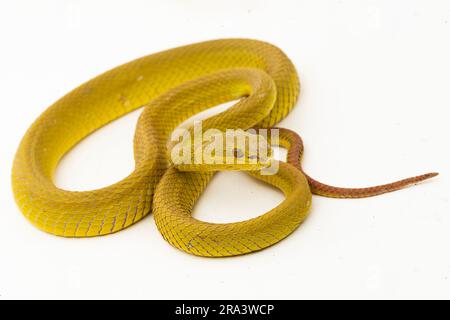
(173, 86)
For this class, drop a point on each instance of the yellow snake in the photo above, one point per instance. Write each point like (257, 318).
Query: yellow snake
(173, 86)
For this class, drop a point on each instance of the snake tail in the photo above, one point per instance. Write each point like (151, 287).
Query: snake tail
(293, 142)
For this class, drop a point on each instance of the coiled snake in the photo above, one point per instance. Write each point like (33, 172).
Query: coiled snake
(173, 85)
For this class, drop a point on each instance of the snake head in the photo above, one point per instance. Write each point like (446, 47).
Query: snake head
(218, 151)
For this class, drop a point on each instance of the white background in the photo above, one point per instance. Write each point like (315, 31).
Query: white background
(374, 107)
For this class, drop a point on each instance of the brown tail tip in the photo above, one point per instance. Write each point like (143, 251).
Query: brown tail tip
(427, 176)
(336, 192)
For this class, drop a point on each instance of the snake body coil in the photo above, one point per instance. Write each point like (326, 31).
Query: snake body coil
(209, 73)
(172, 85)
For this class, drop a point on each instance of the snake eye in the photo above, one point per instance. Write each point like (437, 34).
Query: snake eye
(238, 153)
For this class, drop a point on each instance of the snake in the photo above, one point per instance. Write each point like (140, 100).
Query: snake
(172, 86)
